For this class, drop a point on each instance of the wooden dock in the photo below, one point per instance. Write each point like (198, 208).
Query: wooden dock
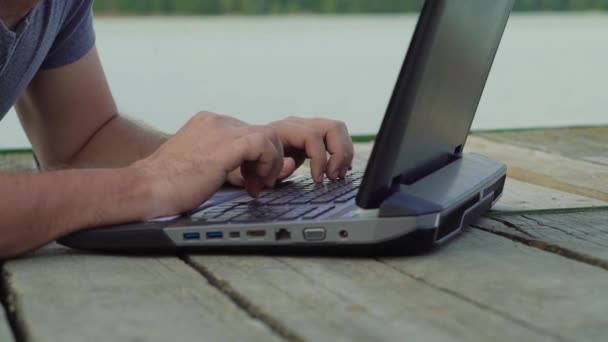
(534, 269)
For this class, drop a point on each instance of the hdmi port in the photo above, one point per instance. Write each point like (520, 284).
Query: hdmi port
(256, 233)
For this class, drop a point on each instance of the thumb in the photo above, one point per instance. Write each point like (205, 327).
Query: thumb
(289, 167)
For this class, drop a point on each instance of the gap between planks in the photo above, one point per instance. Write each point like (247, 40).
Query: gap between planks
(549, 247)
(119, 297)
(578, 235)
(321, 305)
(242, 302)
(546, 169)
(482, 306)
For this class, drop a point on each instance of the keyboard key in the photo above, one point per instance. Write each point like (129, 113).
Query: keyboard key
(345, 198)
(263, 214)
(296, 213)
(318, 212)
(243, 199)
(324, 199)
(284, 200)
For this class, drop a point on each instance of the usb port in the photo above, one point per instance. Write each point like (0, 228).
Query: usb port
(235, 235)
(256, 233)
(214, 235)
(191, 236)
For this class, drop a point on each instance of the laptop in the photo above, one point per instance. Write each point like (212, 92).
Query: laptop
(418, 191)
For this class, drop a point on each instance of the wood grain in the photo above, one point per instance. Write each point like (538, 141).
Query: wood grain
(546, 169)
(521, 197)
(70, 296)
(579, 235)
(589, 144)
(336, 299)
(548, 292)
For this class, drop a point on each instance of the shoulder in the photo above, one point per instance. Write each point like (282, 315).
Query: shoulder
(67, 10)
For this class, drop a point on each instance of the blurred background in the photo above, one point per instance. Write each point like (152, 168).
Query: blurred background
(261, 60)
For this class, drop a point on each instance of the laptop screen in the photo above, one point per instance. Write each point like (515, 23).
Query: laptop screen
(437, 94)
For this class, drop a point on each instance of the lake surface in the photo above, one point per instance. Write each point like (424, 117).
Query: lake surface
(551, 70)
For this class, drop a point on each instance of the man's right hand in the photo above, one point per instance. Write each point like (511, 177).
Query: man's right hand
(193, 164)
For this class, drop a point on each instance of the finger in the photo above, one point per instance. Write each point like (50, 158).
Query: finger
(260, 160)
(298, 156)
(252, 182)
(235, 178)
(289, 167)
(306, 139)
(339, 145)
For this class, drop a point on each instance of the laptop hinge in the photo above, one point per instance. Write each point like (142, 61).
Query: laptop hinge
(458, 183)
(411, 177)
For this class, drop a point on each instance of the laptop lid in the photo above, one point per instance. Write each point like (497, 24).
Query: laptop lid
(437, 93)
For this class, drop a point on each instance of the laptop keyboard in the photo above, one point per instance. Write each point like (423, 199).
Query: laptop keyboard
(299, 199)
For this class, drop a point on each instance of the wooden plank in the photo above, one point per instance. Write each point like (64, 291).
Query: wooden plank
(521, 197)
(5, 330)
(546, 291)
(579, 235)
(588, 144)
(336, 299)
(69, 296)
(546, 169)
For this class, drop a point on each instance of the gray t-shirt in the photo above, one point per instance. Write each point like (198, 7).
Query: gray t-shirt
(55, 33)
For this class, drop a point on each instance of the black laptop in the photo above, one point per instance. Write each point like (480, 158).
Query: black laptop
(419, 189)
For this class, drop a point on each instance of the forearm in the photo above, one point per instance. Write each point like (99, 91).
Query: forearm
(39, 208)
(118, 143)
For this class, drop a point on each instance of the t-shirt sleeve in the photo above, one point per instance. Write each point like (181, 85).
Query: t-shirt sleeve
(75, 38)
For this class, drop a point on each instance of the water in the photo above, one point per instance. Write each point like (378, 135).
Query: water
(551, 69)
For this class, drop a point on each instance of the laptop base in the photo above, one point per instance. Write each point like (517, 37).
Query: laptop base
(415, 218)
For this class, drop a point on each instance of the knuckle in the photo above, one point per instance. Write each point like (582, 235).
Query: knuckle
(338, 125)
(258, 140)
(271, 132)
(316, 135)
(312, 132)
(205, 116)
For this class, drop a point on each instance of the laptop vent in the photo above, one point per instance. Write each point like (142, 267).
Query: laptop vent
(450, 222)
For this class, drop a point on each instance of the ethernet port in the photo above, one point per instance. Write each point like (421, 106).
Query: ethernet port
(282, 235)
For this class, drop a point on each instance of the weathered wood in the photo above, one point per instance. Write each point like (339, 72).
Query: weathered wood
(578, 235)
(359, 300)
(546, 169)
(71, 296)
(589, 144)
(520, 196)
(542, 279)
(550, 293)
(5, 330)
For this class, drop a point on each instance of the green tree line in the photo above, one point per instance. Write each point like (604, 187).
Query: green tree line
(214, 7)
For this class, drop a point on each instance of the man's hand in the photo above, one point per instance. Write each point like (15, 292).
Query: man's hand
(192, 165)
(210, 149)
(311, 138)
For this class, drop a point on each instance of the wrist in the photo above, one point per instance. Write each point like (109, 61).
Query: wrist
(142, 191)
